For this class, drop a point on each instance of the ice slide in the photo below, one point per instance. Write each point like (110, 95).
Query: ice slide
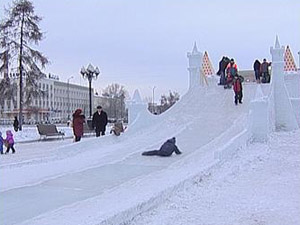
(35, 192)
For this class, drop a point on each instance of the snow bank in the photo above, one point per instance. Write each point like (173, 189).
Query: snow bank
(30, 133)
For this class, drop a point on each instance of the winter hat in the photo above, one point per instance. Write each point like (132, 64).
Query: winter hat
(99, 107)
(77, 112)
(172, 140)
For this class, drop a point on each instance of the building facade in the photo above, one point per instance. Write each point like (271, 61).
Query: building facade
(57, 103)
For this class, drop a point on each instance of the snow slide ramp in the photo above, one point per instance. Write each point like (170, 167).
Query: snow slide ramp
(92, 172)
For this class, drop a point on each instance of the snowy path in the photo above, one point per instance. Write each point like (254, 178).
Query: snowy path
(258, 186)
(29, 153)
(79, 171)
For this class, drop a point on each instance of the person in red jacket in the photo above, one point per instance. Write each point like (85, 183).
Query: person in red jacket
(238, 89)
(231, 71)
(78, 120)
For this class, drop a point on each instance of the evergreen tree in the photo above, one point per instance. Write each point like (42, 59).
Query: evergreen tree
(18, 31)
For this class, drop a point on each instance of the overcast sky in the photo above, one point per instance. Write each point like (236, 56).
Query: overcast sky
(143, 43)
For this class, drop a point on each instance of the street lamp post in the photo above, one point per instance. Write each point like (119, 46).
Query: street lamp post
(90, 72)
(153, 99)
(69, 96)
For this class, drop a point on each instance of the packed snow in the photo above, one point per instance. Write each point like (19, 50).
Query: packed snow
(258, 185)
(106, 180)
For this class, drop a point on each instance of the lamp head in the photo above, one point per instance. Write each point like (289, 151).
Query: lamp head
(90, 68)
(83, 71)
(97, 71)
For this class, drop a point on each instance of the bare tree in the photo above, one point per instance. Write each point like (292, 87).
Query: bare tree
(115, 90)
(167, 102)
(17, 32)
(118, 94)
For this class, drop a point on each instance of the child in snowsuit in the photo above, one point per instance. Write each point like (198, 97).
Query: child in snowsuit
(10, 142)
(1, 143)
(118, 128)
(238, 89)
(166, 149)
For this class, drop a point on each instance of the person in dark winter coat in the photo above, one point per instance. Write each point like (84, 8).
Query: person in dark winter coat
(256, 67)
(10, 142)
(238, 89)
(78, 121)
(222, 67)
(264, 68)
(99, 121)
(1, 143)
(166, 149)
(16, 124)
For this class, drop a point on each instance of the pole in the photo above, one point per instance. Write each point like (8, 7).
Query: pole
(69, 104)
(153, 99)
(90, 92)
(89, 74)
(68, 99)
(122, 99)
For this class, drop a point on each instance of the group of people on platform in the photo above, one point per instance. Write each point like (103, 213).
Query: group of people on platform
(261, 71)
(229, 78)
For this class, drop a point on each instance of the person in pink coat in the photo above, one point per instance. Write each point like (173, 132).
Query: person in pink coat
(10, 142)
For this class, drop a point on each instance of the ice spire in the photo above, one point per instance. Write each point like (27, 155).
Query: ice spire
(137, 97)
(195, 50)
(277, 45)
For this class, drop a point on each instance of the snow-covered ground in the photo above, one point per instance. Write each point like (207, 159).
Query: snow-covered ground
(258, 185)
(106, 181)
(30, 133)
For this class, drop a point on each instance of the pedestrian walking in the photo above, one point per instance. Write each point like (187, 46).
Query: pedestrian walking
(238, 89)
(78, 121)
(16, 124)
(99, 121)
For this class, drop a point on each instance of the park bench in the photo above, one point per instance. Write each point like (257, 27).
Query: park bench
(49, 130)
